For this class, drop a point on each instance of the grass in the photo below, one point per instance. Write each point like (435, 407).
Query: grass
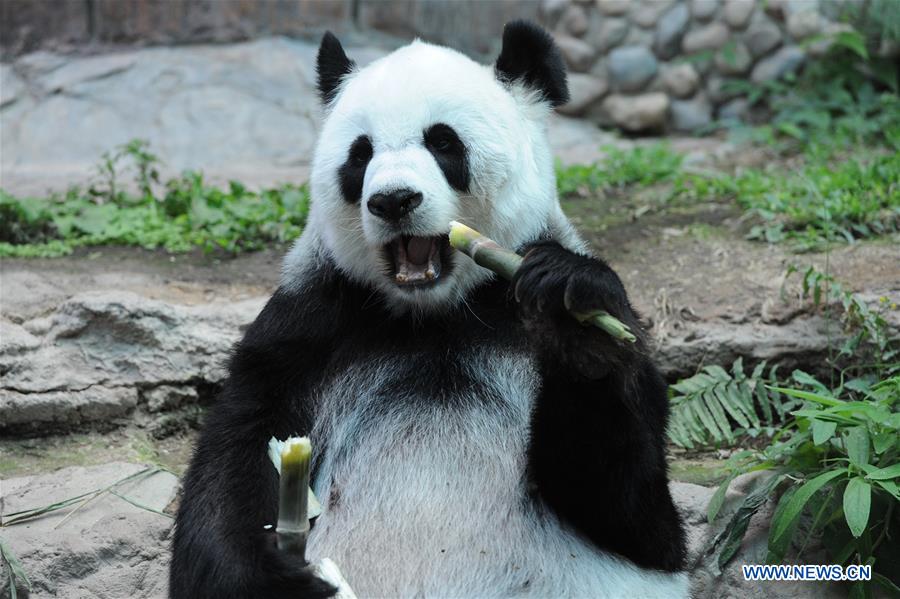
(177, 215)
(826, 199)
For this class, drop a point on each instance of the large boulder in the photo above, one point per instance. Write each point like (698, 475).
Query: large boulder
(106, 548)
(90, 359)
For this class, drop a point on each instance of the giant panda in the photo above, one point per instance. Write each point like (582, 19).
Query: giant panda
(471, 439)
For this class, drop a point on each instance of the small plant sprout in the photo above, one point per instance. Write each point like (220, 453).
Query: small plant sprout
(488, 253)
(293, 518)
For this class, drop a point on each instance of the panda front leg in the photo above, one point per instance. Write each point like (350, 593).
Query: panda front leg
(597, 454)
(220, 547)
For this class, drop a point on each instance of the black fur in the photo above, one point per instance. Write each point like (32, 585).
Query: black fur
(597, 448)
(530, 56)
(597, 454)
(353, 171)
(450, 154)
(332, 65)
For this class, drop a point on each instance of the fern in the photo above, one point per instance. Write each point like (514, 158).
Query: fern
(714, 406)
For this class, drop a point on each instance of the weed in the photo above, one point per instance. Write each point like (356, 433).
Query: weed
(185, 213)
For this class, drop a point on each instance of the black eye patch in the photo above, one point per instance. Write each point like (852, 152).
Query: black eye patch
(353, 171)
(450, 154)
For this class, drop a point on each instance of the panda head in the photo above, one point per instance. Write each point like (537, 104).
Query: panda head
(424, 136)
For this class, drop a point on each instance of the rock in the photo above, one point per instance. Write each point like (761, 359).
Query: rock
(804, 24)
(703, 10)
(670, 30)
(108, 548)
(721, 89)
(796, 344)
(736, 13)
(101, 346)
(711, 37)
(784, 61)
(552, 10)
(733, 59)
(575, 20)
(680, 80)
(645, 14)
(584, 90)
(167, 397)
(87, 69)
(631, 67)
(613, 7)
(637, 113)
(734, 111)
(579, 55)
(11, 86)
(690, 115)
(762, 38)
(64, 410)
(607, 32)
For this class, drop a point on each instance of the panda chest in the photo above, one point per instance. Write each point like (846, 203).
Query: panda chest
(410, 434)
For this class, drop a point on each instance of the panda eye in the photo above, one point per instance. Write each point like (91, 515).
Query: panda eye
(443, 144)
(441, 138)
(361, 151)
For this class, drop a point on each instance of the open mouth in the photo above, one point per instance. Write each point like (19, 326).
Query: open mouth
(418, 261)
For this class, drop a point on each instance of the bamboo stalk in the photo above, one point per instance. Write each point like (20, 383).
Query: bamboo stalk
(293, 521)
(488, 253)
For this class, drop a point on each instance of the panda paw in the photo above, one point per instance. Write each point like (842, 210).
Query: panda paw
(553, 282)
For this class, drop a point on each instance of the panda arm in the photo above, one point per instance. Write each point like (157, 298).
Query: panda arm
(220, 548)
(597, 453)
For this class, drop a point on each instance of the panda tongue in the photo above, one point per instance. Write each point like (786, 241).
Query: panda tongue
(418, 250)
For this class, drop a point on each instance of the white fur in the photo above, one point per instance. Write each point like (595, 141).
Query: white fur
(512, 195)
(421, 500)
(431, 502)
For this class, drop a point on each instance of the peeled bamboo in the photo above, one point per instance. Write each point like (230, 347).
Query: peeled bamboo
(293, 497)
(488, 253)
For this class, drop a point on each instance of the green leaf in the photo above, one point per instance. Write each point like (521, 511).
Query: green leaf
(734, 531)
(807, 395)
(891, 487)
(883, 441)
(777, 549)
(822, 431)
(857, 503)
(799, 499)
(718, 498)
(857, 442)
(854, 41)
(808, 380)
(885, 473)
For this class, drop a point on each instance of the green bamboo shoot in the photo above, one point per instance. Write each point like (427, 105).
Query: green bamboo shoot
(293, 520)
(488, 253)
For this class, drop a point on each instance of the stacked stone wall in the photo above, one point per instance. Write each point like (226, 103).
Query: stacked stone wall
(639, 65)
(650, 65)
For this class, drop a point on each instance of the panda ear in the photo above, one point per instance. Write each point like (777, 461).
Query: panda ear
(332, 65)
(530, 56)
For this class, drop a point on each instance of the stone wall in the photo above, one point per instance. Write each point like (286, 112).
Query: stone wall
(652, 65)
(639, 65)
(470, 25)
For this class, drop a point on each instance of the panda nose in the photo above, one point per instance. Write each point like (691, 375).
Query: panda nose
(394, 205)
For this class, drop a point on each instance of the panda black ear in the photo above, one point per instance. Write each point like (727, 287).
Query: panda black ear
(332, 65)
(530, 56)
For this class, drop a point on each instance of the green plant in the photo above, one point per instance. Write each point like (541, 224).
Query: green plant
(820, 202)
(185, 213)
(639, 165)
(847, 97)
(836, 463)
(14, 571)
(833, 458)
(715, 406)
